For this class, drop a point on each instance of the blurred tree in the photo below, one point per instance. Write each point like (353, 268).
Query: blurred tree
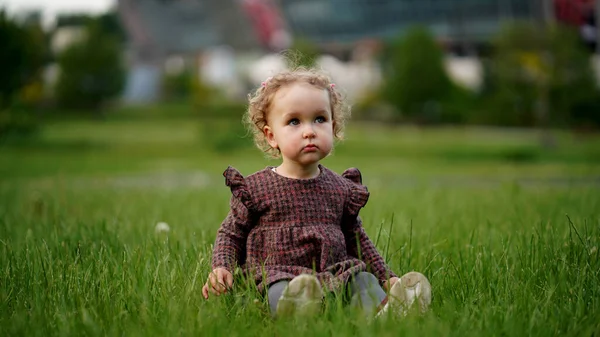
(109, 22)
(64, 20)
(416, 82)
(21, 56)
(91, 70)
(176, 87)
(31, 94)
(538, 76)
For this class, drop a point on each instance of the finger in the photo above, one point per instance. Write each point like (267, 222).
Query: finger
(229, 280)
(212, 277)
(222, 288)
(388, 284)
(205, 291)
(214, 284)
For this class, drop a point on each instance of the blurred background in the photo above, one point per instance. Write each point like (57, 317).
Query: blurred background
(457, 74)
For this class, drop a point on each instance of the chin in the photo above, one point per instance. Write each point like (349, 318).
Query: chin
(311, 161)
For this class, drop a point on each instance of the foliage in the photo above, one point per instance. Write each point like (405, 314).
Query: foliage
(586, 114)
(538, 76)
(111, 25)
(91, 70)
(178, 86)
(21, 56)
(416, 82)
(17, 124)
(458, 106)
(109, 22)
(77, 19)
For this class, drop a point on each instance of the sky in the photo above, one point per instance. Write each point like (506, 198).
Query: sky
(50, 8)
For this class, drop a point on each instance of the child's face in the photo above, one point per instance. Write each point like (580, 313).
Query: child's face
(300, 124)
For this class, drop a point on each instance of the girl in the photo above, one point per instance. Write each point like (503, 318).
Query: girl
(295, 227)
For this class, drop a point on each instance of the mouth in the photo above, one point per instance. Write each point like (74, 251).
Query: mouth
(310, 148)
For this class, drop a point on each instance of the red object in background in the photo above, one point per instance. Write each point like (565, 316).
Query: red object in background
(265, 19)
(573, 12)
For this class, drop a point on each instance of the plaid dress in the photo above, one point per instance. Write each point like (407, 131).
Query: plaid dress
(278, 228)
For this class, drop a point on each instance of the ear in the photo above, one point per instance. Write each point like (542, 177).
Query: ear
(268, 132)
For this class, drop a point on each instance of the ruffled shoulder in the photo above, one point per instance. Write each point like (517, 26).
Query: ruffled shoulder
(237, 183)
(359, 195)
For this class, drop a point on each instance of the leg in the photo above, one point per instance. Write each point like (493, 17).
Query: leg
(301, 296)
(274, 294)
(365, 292)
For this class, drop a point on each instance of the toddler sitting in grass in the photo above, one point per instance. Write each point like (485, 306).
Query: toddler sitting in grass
(295, 228)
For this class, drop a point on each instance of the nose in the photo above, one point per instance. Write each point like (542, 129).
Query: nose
(309, 132)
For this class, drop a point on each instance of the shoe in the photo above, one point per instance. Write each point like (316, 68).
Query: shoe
(412, 287)
(303, 296)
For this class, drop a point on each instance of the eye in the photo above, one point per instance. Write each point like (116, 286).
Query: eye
(321, 119)
(293, 121)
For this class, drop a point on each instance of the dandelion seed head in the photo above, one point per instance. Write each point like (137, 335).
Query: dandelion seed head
(162, 227)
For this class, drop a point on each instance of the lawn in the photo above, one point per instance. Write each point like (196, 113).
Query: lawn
(506, 231)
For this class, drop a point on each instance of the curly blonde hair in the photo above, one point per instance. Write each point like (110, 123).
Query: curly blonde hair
(261, 99)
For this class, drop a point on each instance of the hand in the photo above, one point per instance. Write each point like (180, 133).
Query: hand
(389, 283)
(219, 281)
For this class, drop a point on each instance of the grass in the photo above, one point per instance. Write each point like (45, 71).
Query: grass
(509, 245)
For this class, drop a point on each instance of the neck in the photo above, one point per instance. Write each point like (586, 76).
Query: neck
(295, 171)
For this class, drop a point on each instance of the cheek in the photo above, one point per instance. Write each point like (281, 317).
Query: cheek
(286, 135)
(327, 128)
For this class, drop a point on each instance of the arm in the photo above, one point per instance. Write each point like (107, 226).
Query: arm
(230, 244)
(229, 249)
(360, 246)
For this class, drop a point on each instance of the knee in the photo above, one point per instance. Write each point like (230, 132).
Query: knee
(365, 278)
(276, 289)
(274, 293)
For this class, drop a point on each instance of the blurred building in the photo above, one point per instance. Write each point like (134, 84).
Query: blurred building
(580, 14)
(459, 23)
(342, 21)
(161, 30)
(574, 12)
(165, 34)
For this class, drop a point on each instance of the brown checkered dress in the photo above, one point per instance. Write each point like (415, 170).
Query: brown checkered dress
(279, 227)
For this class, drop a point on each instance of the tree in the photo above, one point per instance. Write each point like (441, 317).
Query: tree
(538, 76)
(21, 56)
(111, 24)
(416, 82)
(91, 70)
(77, 19)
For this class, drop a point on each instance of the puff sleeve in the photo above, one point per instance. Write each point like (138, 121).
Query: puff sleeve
(358, 243)
(359, 195)
(230, 245)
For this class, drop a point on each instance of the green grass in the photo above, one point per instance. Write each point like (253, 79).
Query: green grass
(509, 242)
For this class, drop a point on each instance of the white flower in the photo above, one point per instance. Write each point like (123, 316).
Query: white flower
(162, 227)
